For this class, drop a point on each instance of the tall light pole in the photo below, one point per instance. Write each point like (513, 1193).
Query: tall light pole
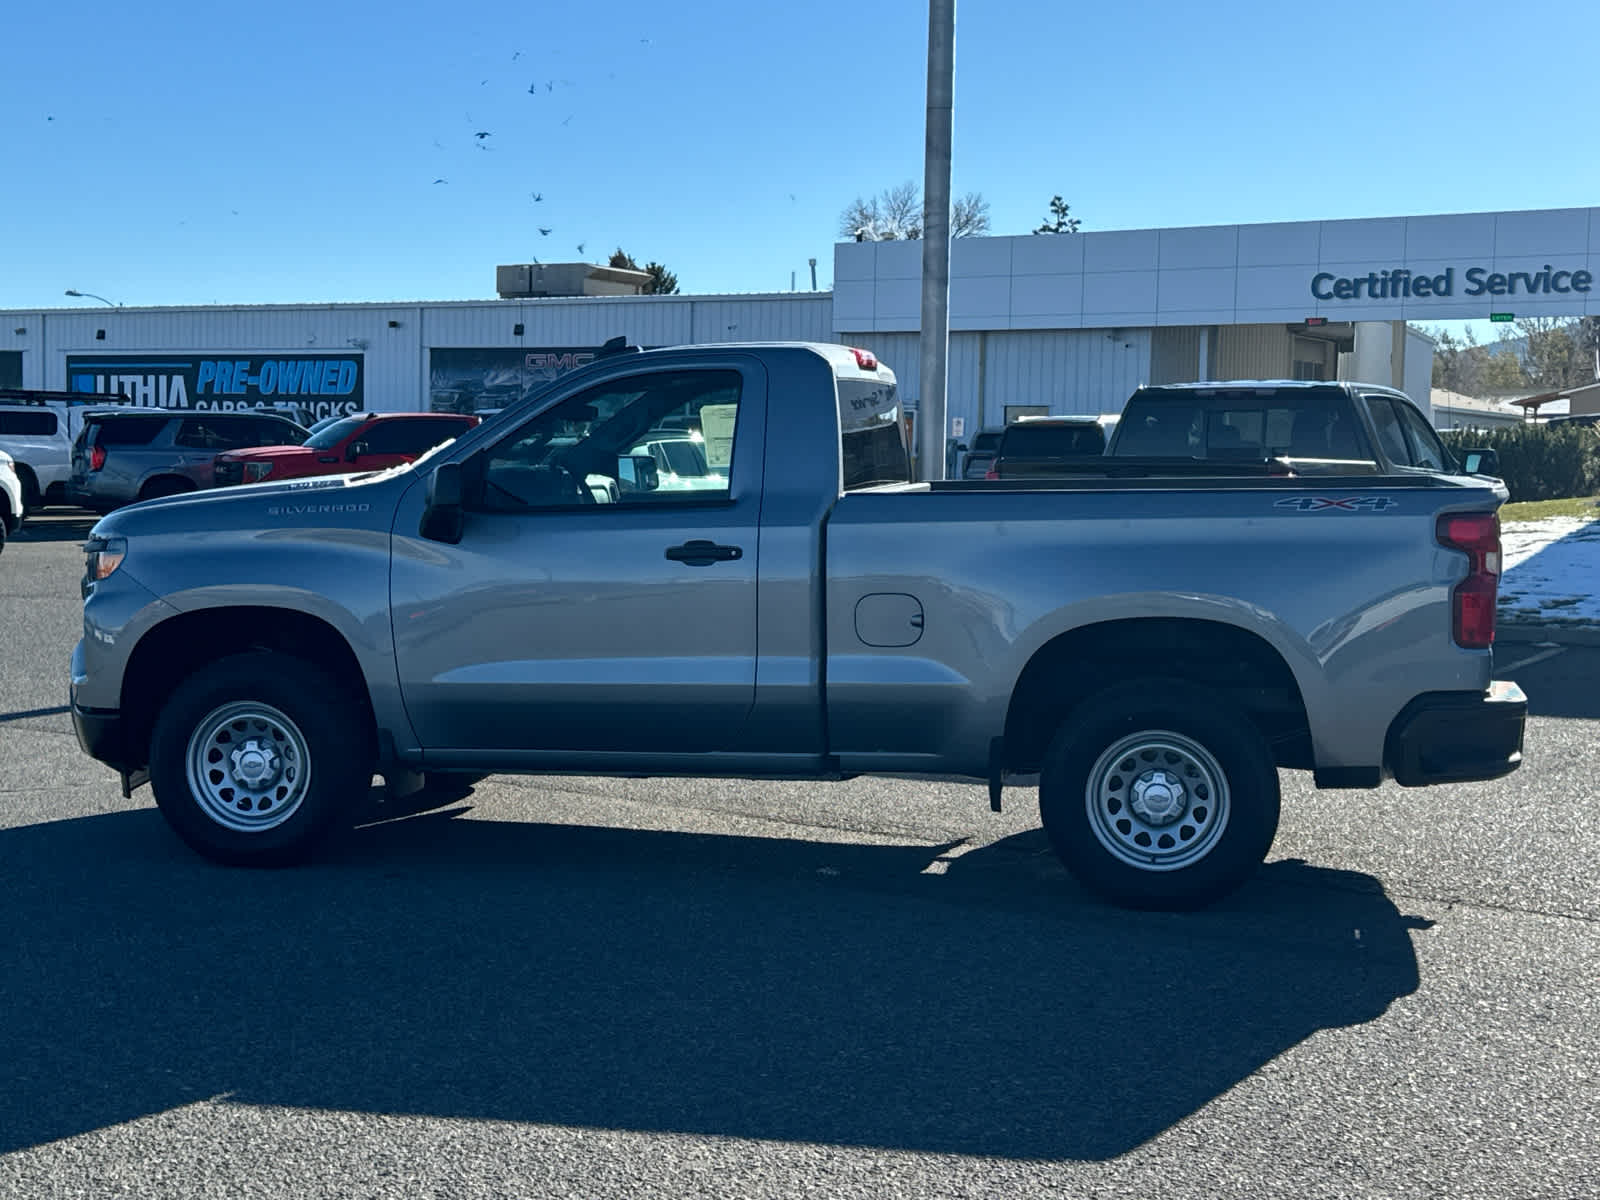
(935, 324)
(91, 296)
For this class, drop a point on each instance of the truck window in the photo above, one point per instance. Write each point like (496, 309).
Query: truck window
(594, 448)
(1390, 436)
(1239, 422)
(1426, 448)
(1028, 439)
(872, 434)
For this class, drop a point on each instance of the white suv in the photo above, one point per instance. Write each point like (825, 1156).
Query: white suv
(37, 430)
(11, 506)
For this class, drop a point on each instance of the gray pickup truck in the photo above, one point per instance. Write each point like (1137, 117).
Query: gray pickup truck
(1154, 649)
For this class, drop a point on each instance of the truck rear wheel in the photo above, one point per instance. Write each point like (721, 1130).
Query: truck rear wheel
(1159, 794)
(255, 757)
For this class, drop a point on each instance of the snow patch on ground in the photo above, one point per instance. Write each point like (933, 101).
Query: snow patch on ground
(1551, 572)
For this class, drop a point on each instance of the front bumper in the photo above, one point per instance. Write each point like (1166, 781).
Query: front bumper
(100, 734)
(1455, 737)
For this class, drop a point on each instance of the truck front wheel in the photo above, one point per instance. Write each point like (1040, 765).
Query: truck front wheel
(254, 757)
(1159, 794)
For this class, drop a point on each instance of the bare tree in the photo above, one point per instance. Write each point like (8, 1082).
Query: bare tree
(971, 216)
(860, 220)
(895, 214)
(902, 211)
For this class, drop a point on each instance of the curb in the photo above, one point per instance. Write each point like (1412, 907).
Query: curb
(1561, 635)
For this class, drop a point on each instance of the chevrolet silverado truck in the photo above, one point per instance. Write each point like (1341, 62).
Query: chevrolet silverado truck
(1156, 649)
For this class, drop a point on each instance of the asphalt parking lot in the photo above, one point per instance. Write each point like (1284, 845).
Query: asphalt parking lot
(573, 987)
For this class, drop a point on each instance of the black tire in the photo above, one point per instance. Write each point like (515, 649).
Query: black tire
(1204, 818)
(301, 743)
(165, 486)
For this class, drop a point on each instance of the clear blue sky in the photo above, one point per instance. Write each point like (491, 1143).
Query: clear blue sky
(201, 153)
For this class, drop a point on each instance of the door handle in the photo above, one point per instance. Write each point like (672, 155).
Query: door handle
(700, 553)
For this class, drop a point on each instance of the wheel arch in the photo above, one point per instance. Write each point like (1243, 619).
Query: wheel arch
(1068, 669)
(182, 483)
(171, 651)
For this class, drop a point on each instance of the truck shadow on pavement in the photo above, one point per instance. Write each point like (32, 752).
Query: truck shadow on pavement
(648, 981)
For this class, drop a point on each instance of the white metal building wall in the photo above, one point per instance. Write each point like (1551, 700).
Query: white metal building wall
(1070, 371)
(1066, 371)
(395, 357)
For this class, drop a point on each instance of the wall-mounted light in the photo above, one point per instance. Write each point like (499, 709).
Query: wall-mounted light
(99, 335)
(516, 330)
(358, 343)
(394, 324)
(20, 330)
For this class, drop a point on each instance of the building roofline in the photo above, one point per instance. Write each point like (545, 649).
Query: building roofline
(380, 305)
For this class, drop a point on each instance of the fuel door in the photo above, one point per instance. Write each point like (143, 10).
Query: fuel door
(889, 619)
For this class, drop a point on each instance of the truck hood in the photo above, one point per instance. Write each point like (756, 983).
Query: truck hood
(322, 497)
(269, 454)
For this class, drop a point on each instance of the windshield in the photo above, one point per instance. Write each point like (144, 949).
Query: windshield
(328, 438)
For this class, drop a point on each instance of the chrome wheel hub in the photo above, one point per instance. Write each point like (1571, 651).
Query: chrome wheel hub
(1157, 800)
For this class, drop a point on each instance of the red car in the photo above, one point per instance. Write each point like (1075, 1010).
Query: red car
(362, 442)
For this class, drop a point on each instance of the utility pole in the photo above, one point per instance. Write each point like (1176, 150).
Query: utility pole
(935, 324)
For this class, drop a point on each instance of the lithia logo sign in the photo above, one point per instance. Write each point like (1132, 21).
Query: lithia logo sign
(329, 385)
(1399, 283)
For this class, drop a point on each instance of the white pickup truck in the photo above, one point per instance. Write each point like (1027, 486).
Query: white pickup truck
(1156, 648)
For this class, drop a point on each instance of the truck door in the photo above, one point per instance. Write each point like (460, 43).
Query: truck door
(589, 604)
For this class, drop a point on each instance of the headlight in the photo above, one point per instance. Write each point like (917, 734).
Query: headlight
(105, 555)
(254, 472)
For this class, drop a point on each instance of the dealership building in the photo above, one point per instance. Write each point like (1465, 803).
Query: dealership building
(1066, 323)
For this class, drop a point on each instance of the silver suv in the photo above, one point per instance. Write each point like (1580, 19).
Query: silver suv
(141, 454)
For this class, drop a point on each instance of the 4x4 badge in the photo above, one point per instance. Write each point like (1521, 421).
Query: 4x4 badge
(1341, 503)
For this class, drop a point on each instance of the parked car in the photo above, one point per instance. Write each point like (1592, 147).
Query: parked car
(143, 454)
(12, 510)
(1307, 427)
(975, 463)
(1590, 419)
(1042, 447)
(363, 442)
(482, 610)
(37, 428)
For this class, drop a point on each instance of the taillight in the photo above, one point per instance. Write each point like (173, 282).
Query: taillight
(865, 359)
(1472, 601)
(97, 457)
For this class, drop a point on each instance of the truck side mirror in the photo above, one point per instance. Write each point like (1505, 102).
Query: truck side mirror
(355, 450)
(638, 473)
(1481, 462)
(444, 517)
